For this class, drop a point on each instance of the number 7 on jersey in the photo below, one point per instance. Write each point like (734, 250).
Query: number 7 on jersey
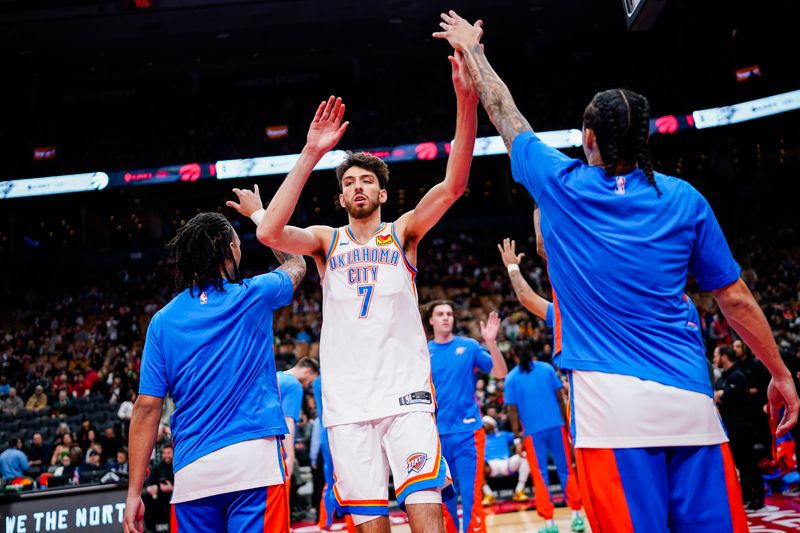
(365, 291)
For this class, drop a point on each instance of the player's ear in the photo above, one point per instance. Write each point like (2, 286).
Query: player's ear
(589, 139)
(341, 199)
(382, 197)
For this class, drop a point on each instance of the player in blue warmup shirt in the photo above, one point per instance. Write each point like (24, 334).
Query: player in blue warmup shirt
(621, 241)
(210, 349)
(454, 360)
(291, 384)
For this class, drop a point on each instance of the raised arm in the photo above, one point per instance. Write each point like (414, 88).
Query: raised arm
(493, 92)
(489, 331)
(526, 295)
(413, 225)
(743, 313)
(325, 131)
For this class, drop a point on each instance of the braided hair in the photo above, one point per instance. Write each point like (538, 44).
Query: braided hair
(620, 120)
(522, 349)
(201, 248)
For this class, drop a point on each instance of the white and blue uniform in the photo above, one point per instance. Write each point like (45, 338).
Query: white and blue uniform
(376, 375)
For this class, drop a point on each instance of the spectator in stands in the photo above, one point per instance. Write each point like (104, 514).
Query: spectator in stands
(63, 406)
(120, 464)
(757, 377)
(13, 461)
(159, 485)
(38, 401)
(124, 413)
(78, 388)
(110, 442)
(61, 381)
(95, 447)
(92, 464)
(4, 386)
(65, 467)
(13, 404)
(731, 397)
(86, 434)
(39, 453)
(118, 391)
(62, 449)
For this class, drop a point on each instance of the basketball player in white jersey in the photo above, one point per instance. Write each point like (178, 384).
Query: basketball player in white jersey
(377, 394)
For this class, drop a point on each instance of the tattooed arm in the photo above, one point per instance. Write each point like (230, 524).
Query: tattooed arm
(493, 92)
(294, 265)
(526, 295)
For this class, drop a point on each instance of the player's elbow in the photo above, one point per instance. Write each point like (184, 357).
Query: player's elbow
(267, 236)
(499, 373)
(735, 298)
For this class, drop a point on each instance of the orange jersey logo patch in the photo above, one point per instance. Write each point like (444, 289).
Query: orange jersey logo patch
(384, 240)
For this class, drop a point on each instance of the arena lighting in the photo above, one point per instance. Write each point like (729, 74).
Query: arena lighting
(733, 114)
(278, 165)
(93, 181)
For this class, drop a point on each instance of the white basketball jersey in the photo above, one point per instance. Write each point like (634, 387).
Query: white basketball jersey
(373, 350)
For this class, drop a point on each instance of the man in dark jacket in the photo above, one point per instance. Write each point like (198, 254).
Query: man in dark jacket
(734, 408)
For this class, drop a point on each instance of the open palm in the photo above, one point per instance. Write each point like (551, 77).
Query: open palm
(327, 128)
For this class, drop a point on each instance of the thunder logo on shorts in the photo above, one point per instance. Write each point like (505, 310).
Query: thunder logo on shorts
(416, 461)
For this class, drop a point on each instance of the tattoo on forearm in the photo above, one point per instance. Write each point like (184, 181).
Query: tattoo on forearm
(292, 264)
(496, 97)
(519, 284)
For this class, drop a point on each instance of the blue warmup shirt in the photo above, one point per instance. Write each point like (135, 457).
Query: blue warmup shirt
(213, 355)
(13, 463)
(497, 444)
(618, 259)
(291, 395)
(534, 394)
(453, 366)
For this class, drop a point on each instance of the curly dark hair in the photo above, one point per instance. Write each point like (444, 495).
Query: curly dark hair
(620, 120)
(201, 248)
(427, 312)
(366, 161)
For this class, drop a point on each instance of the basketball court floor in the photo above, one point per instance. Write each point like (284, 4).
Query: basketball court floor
(781, 515)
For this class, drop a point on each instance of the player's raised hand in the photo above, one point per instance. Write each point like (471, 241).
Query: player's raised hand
(249, 201)
(508, 252)
(327, 128)
(491, 327)
(462, 81)
(459, 32)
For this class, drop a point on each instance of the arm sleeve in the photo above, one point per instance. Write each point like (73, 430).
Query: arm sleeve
(549, 317)
(292, 400)
(481, 358)
(535, 165)
(711, 262)
(276, 286)
(153, 374)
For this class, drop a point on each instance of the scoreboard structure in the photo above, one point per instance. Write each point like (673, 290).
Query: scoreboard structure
(641, 14)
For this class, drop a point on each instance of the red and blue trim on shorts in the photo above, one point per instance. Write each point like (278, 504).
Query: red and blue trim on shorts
(432, 480)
